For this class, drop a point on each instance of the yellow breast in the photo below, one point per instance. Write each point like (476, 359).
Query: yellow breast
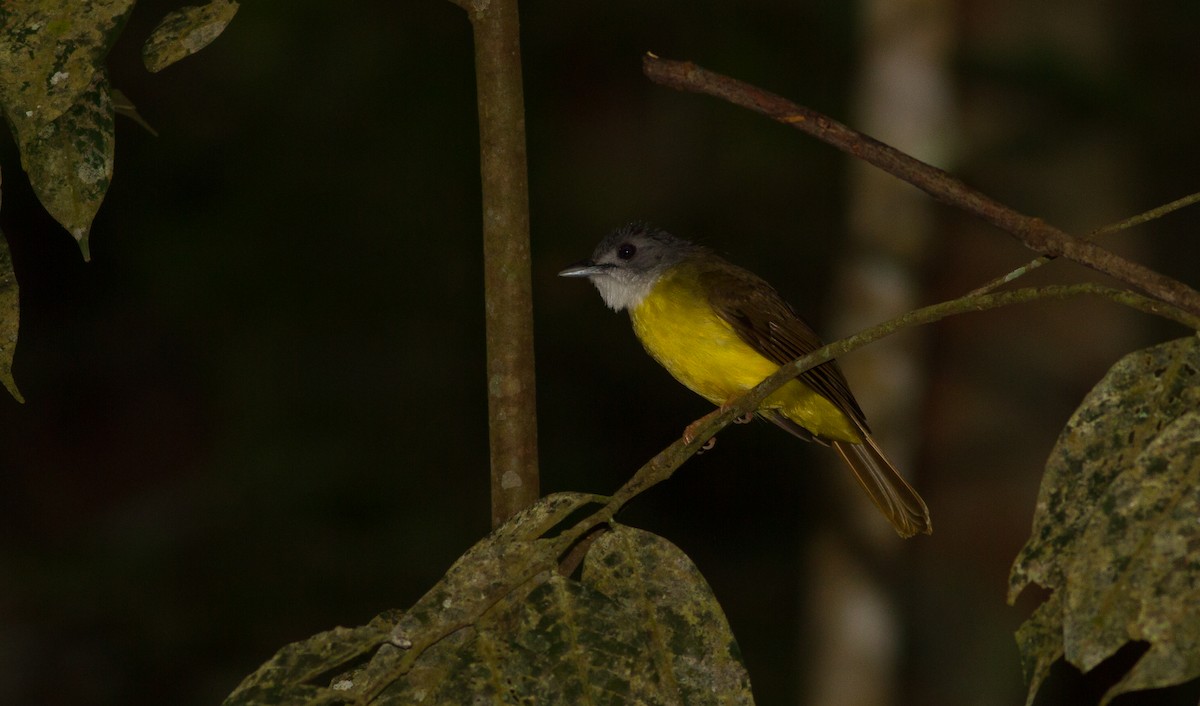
(679, 329)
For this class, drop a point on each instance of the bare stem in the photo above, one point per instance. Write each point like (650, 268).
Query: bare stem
(512, 416)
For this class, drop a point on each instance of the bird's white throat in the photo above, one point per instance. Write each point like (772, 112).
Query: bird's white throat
(622, 292)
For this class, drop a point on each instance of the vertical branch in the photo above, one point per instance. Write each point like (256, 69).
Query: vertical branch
(512, 418)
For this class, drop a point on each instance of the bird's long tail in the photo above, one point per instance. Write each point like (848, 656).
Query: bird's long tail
(894, 497)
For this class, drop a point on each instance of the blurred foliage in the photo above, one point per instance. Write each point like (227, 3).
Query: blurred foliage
(1116, 535)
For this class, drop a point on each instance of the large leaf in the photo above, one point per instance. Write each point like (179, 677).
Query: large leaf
(494, 570)
(563, 643)
(286, 679)
(185, 32)
(50, 51)
(10, 315)
(55, 96)
(70, 159)
(506, 561)
(641, 627)
(1116, 531)
(677, 621)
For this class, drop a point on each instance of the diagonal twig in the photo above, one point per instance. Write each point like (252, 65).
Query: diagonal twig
(1032, 232)
(665, 463)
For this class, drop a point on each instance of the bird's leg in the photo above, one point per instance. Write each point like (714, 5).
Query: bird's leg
(690, 432)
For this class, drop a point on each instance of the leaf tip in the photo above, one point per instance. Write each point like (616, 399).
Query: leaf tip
(11, 386)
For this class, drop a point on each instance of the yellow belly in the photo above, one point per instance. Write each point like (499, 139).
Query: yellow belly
(681, 331)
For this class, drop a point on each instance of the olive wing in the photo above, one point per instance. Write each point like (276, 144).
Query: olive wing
(770, 326)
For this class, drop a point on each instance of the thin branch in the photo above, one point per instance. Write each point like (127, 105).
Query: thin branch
(1130, 222)
(1146, 216)
(1033, 232)
(512, 416)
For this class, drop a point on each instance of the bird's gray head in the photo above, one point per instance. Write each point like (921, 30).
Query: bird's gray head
(627, 263)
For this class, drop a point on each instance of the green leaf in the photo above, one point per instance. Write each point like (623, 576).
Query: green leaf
(641, 627)
(70, 159)
(679, 626)
(562, 644)
(287, 678)
(1040, 640)
(503, 562)
(503, 627)
(185, 32)
(50, 51)
(1116, 532)
(10, 316)
(495, 574)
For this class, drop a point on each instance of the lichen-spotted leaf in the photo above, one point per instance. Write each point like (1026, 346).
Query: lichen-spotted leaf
(70, 159)
(504, 562)
(50, 51)
(641, 627)
(293, 676)
(10, 316)
(1040, 640)
(503, 627)
(683, 631)
(562, 643)
(186, 31)
(1116, 534)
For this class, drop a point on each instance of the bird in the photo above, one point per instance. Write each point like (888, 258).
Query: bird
(719, 329)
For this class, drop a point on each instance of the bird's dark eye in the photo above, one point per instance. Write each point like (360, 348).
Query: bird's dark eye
(626, 251)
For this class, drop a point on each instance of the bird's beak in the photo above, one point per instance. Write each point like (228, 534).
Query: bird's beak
(583, 268)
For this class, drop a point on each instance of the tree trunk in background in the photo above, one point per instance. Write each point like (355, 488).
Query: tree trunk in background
(903, 98)
(1040, 131)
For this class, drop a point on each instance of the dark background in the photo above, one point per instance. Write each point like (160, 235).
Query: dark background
(260, 411)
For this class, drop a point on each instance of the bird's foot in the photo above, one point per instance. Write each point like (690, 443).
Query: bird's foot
(689, 434)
